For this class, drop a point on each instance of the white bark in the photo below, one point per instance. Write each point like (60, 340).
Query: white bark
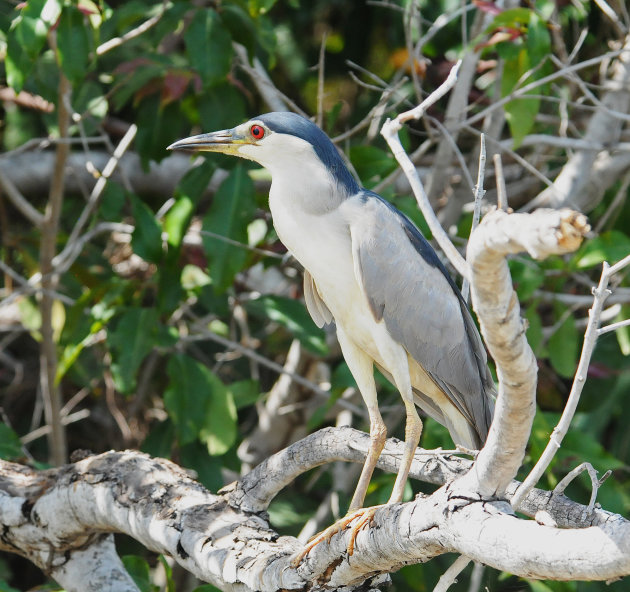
(57, 518)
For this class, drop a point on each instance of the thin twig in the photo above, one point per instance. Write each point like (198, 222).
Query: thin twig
(449, 577)
(502, 202)
(139, 30)
(58, 448)
(97, 191)
(590, 339)
(390, 132)
(263, 361)
(478, 193)
(20, 202)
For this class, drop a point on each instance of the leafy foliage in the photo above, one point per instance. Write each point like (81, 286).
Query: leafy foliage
(160, 322)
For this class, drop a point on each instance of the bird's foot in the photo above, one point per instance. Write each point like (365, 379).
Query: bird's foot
(362, 516)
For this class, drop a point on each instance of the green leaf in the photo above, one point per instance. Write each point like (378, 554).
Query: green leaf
(140, 572)
(535, 331)
(146, 239)
(244, 392)
(74, 43)
(520, 112)
(564, 346)
(177, 219)
(293, 315)
(27, 37)
(623, 333)
(194, 277)
(208, 468)
(160, 440)
(221, 107)
(157, 124)
(232, 210)
(527, 277)
(168, 572)
(206, 588)
(134, 336)
(209, 47)
(610, 246)
(4, 587)
(10, 445)
(371, 163)
(200, 405)
(196, 180)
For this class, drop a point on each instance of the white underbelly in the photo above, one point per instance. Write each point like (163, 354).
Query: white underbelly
(322, 244)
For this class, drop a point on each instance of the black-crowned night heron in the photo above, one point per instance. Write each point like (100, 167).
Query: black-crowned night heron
(369, 270)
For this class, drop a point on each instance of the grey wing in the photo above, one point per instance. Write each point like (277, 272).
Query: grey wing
(409, 289)
(314, 303)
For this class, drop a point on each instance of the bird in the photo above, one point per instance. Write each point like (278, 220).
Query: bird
(369, 271)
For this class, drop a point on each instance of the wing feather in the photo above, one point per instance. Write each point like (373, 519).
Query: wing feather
(410, 290)
(314, 303)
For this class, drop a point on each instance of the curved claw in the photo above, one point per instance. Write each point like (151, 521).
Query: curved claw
(364, 515)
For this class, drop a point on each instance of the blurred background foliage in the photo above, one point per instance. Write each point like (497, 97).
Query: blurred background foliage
(175, 303)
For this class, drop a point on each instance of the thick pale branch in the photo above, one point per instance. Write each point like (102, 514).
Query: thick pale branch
(543, 233)
(58, 517)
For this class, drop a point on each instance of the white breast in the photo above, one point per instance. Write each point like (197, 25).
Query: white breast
(321, 242)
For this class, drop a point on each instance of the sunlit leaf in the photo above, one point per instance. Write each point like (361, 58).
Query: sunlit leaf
(27, 37)
(610, 246)
(177, 219)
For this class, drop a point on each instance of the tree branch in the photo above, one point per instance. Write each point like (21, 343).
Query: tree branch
(541, 234)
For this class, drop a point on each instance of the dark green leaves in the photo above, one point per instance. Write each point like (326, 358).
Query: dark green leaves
(146, 239)
(74, 43)
(232, 210)
(10, 445)
(524, 54)
(293, 315)
(209, 47)
(27, 37)
(133, 337)
(200, 405)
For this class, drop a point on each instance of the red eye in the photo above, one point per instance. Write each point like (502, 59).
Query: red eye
(257, 132)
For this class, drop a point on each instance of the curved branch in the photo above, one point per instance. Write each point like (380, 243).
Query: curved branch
(57, 519)
(541, 234)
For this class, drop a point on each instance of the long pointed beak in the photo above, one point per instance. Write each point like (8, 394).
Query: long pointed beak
(226, 141)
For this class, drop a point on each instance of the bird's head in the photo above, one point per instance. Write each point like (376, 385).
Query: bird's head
(278, 141)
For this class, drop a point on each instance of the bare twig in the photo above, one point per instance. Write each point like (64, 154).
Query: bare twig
(502, 202)
(20, 202)
(96, 193)
(48, 348)
(390, 132)
(449, 577)
(479, 193)
(596, 482)
(590, 338)
(139, 30)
